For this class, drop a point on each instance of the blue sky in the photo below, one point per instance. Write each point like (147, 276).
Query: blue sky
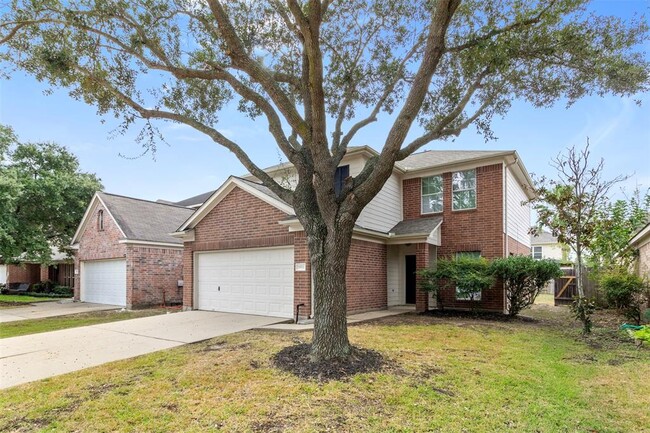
(618, 129)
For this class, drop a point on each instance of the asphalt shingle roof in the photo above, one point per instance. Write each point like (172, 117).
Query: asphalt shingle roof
(193, 201)
(144, 220)
(435, 158)
(543, 238)
(416, 226)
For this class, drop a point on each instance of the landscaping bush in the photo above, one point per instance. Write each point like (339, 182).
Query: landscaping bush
(62, 290)
(582, 308)
(523, 278)
(467, 275)
(627, 292)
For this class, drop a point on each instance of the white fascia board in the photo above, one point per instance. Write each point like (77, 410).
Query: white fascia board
(186, 236)
(639, 236)
(148, 243)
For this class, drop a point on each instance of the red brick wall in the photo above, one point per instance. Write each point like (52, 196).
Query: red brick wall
(154, 275)
(149, 270)
(240, 220)
(479, 229)
(24, 273)
(96, 245)
(302, 280)
(366, 276)
(517, 248)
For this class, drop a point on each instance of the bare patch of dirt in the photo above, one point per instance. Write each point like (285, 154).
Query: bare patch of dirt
(6, 304)
(478, 315)
(295, 359)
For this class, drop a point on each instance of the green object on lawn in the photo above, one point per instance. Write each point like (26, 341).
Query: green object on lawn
(632, 327)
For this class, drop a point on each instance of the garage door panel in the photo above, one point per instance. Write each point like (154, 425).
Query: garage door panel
(250, 281)
(104, 282)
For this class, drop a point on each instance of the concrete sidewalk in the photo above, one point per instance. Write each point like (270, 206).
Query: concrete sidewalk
(39, 356)
(353, 318)
(40, 310)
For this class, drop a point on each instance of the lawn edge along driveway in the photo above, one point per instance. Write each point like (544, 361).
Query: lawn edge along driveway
(38, 356)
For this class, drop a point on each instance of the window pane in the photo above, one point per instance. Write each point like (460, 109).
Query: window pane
(464, 199)
(432, 185)
(342, 173)
(432, 203)
(462, 180)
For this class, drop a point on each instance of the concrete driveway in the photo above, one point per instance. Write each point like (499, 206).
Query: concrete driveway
(39, 356)
(40, 310)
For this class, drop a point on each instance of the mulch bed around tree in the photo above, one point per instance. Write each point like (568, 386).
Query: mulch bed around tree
(295, 359)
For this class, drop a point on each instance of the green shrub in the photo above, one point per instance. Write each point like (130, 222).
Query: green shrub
(523, 278)
(582, 309)
(467, 275)
(62, 290)
(627, 292)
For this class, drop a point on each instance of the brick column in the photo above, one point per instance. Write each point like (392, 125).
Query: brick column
(301, 279)
(188, 276)
(77, 277)
(45, 274)
(421, 262)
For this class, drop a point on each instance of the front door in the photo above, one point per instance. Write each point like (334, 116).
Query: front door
(410, 279)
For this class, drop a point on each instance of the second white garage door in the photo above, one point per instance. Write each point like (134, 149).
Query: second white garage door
(104, 282)
(258, 281)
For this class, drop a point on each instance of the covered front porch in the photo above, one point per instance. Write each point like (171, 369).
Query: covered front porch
(412, 246)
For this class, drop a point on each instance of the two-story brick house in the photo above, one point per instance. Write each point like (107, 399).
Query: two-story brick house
(245, 251)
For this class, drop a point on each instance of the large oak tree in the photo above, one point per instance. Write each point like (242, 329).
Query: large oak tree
(318, 72)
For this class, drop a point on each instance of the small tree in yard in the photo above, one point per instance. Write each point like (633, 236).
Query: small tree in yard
(627, 292)
(468, 276)
(523, 278)
(573, 204)
(317, 72)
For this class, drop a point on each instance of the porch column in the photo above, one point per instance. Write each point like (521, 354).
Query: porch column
(421, 262)
(45, 273)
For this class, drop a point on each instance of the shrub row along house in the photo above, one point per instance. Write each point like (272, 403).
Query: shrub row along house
(241, 248)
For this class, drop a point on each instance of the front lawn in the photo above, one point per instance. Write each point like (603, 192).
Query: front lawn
(445, 375)
(35, 326)
(8, 301)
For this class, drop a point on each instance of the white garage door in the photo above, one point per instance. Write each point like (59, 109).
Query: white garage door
(3, 274)
(256, 281)
(104, 282)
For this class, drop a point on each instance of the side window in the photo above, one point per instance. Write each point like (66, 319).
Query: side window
(342, 173)
(474, 296)
(100, 220)
(537, 253)
(463, 185)
(431, 194)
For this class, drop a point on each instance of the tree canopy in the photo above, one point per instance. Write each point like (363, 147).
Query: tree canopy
(43, 195)
(316, 72)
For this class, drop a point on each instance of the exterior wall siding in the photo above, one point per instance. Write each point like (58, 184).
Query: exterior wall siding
(24, 273)
(479, 229)
(643, 261)
(518, 222)
(516, 248)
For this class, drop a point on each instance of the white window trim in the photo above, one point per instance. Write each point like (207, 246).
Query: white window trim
(540, 253)
(453, 191)
(441, 193)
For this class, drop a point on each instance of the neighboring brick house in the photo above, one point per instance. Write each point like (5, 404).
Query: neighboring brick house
(245, 251)
(59, 270)
(125, 255)
(641, 243)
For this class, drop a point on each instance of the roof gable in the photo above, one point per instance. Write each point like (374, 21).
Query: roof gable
(255, 189)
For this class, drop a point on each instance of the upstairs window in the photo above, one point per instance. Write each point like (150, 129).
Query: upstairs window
(100, 220)
(342, 173)
(432, 194)
(463, 185)
(537, 253)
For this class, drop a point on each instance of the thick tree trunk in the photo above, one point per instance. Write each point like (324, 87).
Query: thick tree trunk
(329, 257)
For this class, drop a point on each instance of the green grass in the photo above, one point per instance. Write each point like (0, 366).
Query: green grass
(451, 375)
(22, 299)
(35, 326)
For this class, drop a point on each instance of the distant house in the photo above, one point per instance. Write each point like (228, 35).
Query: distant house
(60, 271)
(546, 246)
(641, 243)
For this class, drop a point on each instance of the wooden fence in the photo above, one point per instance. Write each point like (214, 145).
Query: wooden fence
(566, 288)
